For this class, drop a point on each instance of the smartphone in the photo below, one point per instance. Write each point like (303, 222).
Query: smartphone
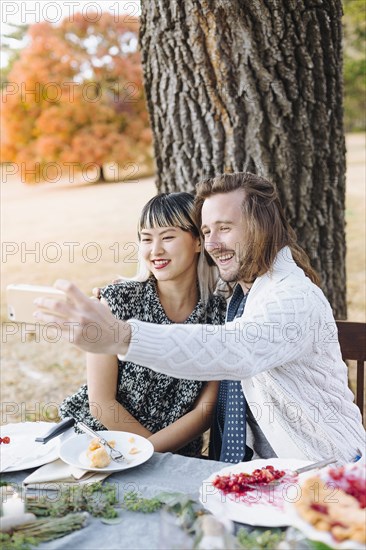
(20, 300)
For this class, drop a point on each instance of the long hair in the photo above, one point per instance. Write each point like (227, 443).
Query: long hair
(176, 210)
(266, 228)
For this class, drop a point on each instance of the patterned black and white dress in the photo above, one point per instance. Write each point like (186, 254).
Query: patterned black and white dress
(154, 399)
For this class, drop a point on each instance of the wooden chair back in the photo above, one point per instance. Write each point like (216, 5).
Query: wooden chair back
(352, 339)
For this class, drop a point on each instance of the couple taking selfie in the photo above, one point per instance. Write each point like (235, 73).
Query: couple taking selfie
(224, 327)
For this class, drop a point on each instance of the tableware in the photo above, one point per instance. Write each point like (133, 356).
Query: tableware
(51, 475)
(257, 507)
(115, 454)
(23, 452)
(294, 473)
(56, 430)
(73, 450)
(308, 530)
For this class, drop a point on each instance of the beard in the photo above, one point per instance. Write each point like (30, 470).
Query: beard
(229, 276)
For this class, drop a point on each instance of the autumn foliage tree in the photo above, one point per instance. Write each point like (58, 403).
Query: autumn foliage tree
(75, 97)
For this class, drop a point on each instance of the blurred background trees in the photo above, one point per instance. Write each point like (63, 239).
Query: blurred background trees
(354, 22)
(267, 98)
(12, 43)
(74, 96)
(97, 65)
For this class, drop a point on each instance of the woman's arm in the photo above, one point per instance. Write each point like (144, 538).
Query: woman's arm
(102, 379)
(102, 375)
(191, 425)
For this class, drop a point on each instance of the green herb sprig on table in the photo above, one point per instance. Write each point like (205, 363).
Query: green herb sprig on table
(260, 540)
(42, 530)
(70, 511)
(56, 519)
(97, 499)
(182, 506)
(16, 541)
(135, 503)
(317, 545)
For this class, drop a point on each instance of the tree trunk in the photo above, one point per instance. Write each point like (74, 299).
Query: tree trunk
(254, 85)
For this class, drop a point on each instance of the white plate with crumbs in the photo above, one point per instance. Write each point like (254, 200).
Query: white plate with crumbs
(23, 452)
(135, 448)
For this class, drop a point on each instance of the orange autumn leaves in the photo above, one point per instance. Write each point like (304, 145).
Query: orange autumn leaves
(75, 96)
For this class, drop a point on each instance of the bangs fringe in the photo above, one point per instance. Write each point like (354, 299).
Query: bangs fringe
(169, 210)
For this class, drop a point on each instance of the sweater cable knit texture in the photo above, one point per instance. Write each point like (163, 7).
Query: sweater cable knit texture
(285, 351)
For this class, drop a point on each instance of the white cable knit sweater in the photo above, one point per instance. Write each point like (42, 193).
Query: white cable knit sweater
(285, 351)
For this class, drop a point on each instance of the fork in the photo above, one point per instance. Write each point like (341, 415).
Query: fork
(313, 466)
(115, 455)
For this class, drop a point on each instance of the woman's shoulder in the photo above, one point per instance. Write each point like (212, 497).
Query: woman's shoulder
(125, 295)
(216, 309)
(122, 287)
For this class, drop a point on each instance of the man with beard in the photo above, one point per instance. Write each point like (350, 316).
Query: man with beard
(275, 349)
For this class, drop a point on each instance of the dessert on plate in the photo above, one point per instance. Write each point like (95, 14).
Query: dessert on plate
(97, 454)
(334, 501)
(243, 482)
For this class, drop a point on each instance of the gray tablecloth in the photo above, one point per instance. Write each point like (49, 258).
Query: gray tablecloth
(163, 472)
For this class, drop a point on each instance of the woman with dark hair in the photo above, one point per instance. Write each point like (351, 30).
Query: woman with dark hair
(289, 395)
(174, 284)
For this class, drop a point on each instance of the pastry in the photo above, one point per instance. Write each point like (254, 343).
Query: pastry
(97, 453)
(334, 501)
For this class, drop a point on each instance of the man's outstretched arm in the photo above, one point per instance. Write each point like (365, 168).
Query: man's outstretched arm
(84, 322)
(237, 350)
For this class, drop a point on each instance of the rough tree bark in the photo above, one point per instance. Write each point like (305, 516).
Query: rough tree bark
(254, 85)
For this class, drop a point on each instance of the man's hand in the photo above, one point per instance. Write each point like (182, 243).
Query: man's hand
(84, 322)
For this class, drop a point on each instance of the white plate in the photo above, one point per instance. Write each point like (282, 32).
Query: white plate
(73, 451)
(314, 534)
(23, 451)
(261, 507)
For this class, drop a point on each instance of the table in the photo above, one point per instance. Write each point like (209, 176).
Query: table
(163, 472)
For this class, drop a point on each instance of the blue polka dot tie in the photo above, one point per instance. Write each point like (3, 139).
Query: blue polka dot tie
(231, 406)
(233, 441)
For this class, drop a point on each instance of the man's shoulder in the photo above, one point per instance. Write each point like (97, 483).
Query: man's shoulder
(301, 286)
(290, 296)
(297, 287)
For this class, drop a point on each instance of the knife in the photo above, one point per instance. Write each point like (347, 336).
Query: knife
(60, 428)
